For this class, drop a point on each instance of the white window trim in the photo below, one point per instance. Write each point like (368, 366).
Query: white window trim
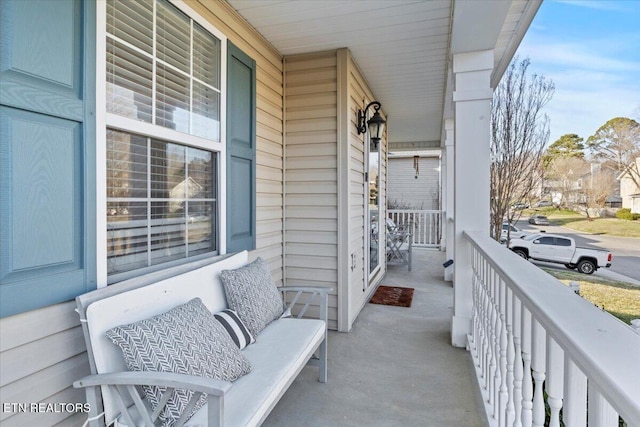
(106, 120)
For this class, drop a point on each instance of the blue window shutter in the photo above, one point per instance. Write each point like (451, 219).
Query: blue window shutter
(241, 150)
(47, 152)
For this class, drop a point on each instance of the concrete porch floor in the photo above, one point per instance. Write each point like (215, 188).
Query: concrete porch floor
(395, 368)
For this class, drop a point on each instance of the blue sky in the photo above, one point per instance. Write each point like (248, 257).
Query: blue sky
(591, 50)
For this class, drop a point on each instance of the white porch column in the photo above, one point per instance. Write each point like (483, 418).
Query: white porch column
(447, 195)
(472, 98)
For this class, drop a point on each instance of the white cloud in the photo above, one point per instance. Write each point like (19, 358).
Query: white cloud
(584, 111)
(593, 4)
(576, 55)
(588, 96)
(597, 76)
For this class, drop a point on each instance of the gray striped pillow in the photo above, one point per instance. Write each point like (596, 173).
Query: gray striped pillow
(236, 329)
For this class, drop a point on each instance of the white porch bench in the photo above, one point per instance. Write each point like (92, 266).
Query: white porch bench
(280, 352)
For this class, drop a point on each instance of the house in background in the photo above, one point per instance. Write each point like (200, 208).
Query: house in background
(630, 187)
(112, 110)
(589, 180)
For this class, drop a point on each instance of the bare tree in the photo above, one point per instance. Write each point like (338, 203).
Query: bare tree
(597, 187)
(519, 133)
(562, 176)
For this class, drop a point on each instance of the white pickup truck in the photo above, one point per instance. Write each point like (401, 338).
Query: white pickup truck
(562, 250)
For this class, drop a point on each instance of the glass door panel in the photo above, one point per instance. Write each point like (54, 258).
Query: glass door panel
(375, 224)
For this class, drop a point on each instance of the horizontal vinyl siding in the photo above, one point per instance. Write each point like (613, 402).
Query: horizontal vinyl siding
(627, 188)
(269, 129)
(42, 353)
(311, 174)
(408, 192)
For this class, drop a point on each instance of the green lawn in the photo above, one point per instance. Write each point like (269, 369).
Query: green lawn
(608, 226)
(575, 221)
(620, 299)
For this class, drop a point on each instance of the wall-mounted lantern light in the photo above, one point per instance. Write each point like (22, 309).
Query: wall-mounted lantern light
(375, 124)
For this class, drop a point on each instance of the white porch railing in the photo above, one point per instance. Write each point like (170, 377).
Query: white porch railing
(426, 225)
(530, 332)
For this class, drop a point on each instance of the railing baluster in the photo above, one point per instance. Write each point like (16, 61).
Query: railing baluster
(491, 339)
(488, 325)
(484, 332)
(418, 226)
(518, 363)
(527, 379)
(601, 413)
(476, 305)
(538, 350)
(497, 327)
(574, 412)
(554, 383)
(503, 392)
(422, 226)
(510, 354)
(481, 320)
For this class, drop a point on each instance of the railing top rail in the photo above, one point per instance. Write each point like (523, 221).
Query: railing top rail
(434, 211)
(606, 350)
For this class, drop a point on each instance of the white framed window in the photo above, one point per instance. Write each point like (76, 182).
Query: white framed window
(161, 202)
(161, 74)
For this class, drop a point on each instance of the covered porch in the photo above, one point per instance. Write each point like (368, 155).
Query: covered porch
(311, 68)
(396, 367)
(537, 355)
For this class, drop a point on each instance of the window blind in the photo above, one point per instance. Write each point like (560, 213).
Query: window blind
(170, 53)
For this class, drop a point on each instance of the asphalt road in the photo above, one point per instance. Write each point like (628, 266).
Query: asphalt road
(626, 250)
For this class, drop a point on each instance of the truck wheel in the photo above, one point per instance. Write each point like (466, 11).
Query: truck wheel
(586, 267)
(571, 266)
(521, 253)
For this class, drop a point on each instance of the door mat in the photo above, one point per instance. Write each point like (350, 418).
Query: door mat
(392, 295)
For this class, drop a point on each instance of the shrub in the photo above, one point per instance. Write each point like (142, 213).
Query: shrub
(625, 213)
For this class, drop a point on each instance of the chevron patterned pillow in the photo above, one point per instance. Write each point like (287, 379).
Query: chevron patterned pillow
(252, 294)
(185, 340)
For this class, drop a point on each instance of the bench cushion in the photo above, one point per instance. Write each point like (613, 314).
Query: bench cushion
(279, 354)
(252, 294)
(185, 340)
(277, 357)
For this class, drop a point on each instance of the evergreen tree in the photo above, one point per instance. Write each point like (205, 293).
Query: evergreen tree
(568, 145)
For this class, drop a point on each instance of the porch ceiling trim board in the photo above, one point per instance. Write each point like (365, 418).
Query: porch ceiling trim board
(406, 58)
(403, 59)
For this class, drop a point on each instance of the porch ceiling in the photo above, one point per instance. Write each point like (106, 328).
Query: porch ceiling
(403, 47)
